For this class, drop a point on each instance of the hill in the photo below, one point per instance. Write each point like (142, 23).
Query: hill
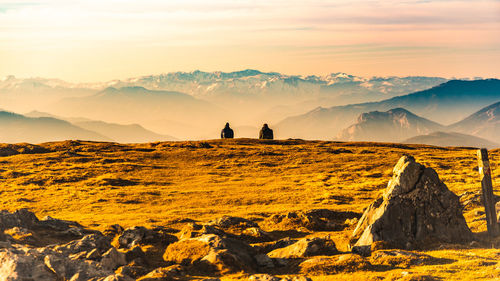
(140, 105)
(446, 103)
(391, 126)
(484, 123)
(16, 128)
(132, 133)
(452, 139)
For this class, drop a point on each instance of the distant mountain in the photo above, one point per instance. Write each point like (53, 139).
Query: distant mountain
(139, 105)
(484, 123)
(242, 85)
(248, 96)
(33, 93)
(132, 133)
(391, 126)
(18, 128)
(452, 139)
(446, 103)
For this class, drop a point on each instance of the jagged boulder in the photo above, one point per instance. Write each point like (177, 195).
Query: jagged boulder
(212, 253)
(415, 211)
(306, 247)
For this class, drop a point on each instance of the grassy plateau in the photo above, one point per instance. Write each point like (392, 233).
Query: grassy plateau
(166, 183)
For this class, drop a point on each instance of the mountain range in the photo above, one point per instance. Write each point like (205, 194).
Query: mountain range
(18, 128)
(196, 105)
(480, 129)
(37, 127)
(484, 123)
(445, 104)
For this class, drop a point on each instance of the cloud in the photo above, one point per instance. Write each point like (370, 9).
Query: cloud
(78, 28)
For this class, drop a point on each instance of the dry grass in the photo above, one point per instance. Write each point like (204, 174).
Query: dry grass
(99, 184)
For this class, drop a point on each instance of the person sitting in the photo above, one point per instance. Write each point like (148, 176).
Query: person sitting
(227, 132)
(266, 133)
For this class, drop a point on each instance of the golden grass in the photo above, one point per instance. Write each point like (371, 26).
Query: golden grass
(99, 184)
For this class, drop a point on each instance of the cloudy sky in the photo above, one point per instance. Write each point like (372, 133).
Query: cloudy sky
(85, 41)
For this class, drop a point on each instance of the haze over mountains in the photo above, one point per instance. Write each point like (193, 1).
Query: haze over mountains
(452, 139)
(196, 105)
(446, 103)
(37, 127)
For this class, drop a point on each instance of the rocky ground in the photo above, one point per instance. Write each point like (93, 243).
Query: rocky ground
(414, 229)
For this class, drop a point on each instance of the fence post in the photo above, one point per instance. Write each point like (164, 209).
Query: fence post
(487, 192)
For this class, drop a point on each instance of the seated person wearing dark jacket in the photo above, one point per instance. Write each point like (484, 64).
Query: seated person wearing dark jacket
(266, 133)
(227, 132)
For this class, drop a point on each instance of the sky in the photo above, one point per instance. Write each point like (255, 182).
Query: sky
(90, 41)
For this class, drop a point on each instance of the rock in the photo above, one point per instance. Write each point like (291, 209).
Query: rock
(313, 220)
(23, 235)
(264, 260)
(334, 264)
(263, 277)
(87, 244)
(136, 253)
(132, 236)
(212, 253)
(255, 234)
(112, 259)
(416, 210)
(193, 229)
(227, 222)
(16, 266)
(20, 218)
(113, 230)
(93, 255)
(401, 258)
(267, 277)
(306, 247)
(66, 269)
(136, 235)
(267, 247)
(134, 271)
(171, 273)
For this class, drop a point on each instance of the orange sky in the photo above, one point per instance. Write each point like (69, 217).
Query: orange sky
(86, 41)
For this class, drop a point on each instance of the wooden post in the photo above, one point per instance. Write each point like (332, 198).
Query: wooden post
(487, 192)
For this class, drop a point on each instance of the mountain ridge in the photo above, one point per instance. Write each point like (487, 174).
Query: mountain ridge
(452, 100)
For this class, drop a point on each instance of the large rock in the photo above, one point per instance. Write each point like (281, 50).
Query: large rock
(415, 211)
(212, 253)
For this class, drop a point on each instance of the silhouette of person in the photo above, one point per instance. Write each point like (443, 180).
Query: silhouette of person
(266, 133)
(227, 132)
